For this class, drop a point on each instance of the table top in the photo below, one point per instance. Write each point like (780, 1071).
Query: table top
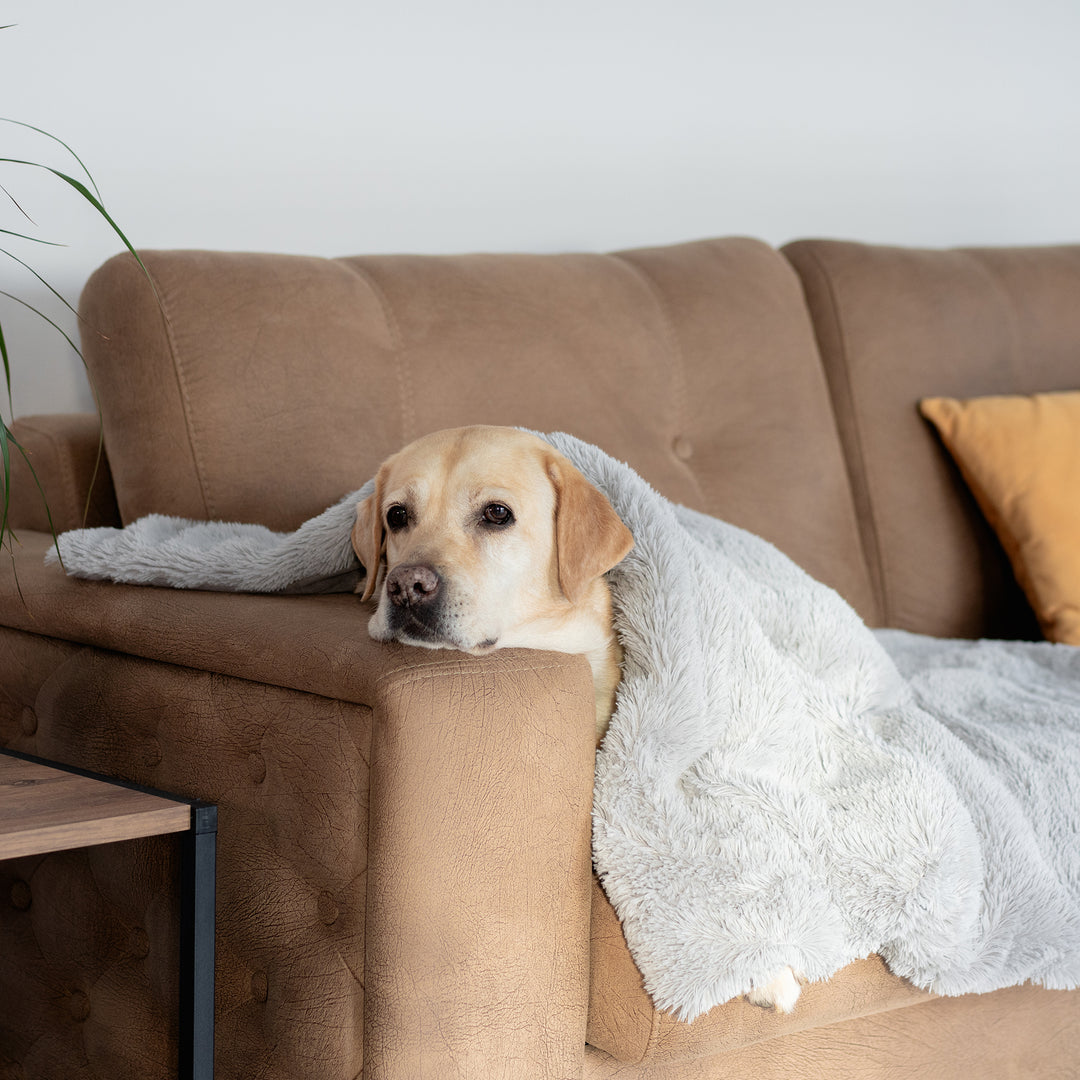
(45, 808)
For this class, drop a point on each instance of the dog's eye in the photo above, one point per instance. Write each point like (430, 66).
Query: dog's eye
(397, 517)
(497, 514)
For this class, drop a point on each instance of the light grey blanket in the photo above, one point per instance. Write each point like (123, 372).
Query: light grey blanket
(779, 785)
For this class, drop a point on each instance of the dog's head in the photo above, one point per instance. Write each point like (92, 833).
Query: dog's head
(485, 537)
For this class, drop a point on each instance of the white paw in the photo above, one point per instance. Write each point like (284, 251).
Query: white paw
(779, 994)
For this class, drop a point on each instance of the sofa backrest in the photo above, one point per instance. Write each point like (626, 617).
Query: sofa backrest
(263, 387)
(895, 325)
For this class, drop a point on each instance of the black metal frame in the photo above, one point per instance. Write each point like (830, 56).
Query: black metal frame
(197, 922)
(198, 913)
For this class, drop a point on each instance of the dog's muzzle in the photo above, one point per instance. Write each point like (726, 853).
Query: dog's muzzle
(415, 593)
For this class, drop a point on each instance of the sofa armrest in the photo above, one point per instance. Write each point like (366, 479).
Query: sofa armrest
(64, 450)
(479, 883)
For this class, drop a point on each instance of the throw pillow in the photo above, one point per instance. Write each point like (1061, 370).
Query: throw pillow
(1020, 456)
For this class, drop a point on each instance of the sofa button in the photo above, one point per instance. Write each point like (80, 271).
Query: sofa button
(139, 943)
(683, 447)
(28, 721)
(20, 895)
(151, 754)
(256, 768)
(328, 910)
(260, 986)
(79, 1006)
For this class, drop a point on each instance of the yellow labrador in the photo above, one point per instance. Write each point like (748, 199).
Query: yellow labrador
(487, 538)
(481, 538)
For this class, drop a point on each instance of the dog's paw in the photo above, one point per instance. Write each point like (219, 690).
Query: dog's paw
(779, 994)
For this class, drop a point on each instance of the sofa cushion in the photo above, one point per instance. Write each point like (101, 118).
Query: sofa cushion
(263, 387)
(624, 1024)
(1020, 455)
(895, 325)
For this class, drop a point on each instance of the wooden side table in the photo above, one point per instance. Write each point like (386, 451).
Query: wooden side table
(45, 806)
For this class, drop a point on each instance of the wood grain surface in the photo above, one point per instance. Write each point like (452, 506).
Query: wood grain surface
(45, 809)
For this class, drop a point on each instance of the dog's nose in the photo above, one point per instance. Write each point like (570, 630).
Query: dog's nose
(412, 585)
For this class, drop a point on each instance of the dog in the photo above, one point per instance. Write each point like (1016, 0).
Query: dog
(482, 538)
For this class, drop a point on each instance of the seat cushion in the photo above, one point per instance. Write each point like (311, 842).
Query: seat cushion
(896, 325)
(625, 1025)
(263, 387)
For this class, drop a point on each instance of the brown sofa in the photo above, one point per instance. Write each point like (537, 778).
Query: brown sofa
(404, 880)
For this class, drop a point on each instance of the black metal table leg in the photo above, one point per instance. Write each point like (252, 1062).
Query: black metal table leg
(197, 912)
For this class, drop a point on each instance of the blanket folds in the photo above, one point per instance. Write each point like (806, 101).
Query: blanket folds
(779, 785)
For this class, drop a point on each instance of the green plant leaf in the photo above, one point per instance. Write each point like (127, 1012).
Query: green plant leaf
(93, 390)
(7, 370)
(17, 206)
(82, 189)
(55, 139)
(5, 454)
(63, 300)
(7, 440)
(35, 239)
(41, 315)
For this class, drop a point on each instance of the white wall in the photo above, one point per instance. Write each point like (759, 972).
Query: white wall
(346, 126)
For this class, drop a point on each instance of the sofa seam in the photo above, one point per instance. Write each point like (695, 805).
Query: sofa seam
(393, 327)
(653, 1041)
(185, 399)
(418, 672)
(675, 351)
(855, 463)
(993, 280)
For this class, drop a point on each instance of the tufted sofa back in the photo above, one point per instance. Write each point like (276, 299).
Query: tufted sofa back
(263, 387)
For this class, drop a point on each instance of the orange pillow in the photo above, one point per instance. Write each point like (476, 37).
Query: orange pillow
(1020, 457)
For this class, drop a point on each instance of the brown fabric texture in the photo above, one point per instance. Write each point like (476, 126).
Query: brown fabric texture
(478, 887)
(64, 454)
(91, 956)
(1023, 1031)
(265, 387)
(896, 325)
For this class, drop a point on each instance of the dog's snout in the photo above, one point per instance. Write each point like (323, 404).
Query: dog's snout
(410, 586)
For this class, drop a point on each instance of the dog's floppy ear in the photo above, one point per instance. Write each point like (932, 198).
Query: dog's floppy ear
(591, 538)
(369, 536)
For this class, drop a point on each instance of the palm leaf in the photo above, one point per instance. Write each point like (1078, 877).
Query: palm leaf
(7, 439)
(41, 314)
(17, 206)
(96, 203)
(59, 296)
(7, 431)
(7, 369)
(55, 139)
(5, 454)
(36, 239)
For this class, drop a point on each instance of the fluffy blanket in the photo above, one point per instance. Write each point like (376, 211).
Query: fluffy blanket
(779, 785)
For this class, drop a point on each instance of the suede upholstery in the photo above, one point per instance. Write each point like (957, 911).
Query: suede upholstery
(404, 877)
(895, 325)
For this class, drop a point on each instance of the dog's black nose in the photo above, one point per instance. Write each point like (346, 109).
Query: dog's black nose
(411, 586)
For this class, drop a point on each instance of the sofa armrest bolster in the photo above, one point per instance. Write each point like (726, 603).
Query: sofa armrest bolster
(479, 876)
(65, 452)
